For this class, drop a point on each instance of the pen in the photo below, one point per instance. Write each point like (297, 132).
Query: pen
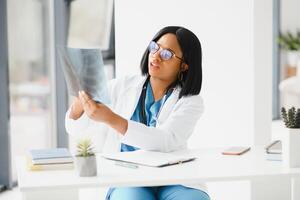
(128, 165)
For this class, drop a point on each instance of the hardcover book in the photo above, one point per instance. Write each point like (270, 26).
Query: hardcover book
(273, 151)
(50, 156)
(55, 166)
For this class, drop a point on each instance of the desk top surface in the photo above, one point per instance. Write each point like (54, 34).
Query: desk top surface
(210, 165)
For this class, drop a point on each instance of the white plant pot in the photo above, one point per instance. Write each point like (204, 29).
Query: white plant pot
(86, 166)
(292, 58)
(291, 148)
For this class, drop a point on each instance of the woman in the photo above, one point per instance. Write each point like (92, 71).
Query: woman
(156, 111)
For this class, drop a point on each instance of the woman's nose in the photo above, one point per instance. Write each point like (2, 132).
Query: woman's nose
(156, 55)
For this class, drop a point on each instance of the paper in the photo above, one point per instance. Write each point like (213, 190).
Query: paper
(149, 158)
(84, 70)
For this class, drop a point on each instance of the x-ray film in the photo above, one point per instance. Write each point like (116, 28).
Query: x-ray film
(84, 70)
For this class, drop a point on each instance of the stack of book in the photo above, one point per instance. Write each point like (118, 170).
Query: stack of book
(273, 151)
(50, 159)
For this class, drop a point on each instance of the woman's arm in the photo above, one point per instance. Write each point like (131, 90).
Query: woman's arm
(77, 121)
(78, 126)
(101, 113)
(172, 134)
(76, 109)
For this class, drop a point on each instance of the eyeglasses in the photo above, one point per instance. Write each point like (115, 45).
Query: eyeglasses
(165, 54)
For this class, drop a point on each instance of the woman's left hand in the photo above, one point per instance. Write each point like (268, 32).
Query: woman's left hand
(96, 111)
(102, 113)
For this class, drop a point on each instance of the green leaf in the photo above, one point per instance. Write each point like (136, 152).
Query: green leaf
(84, 148)
(288, 41)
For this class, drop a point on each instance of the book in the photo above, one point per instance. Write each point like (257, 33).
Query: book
(83, 69)
(274, 147)
(55, 166)
(148, 158)
(273, 156)
(50, 156)
(274, 151)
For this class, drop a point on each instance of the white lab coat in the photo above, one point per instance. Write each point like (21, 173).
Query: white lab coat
(175, 123)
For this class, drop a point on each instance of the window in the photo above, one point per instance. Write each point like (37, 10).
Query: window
(90, 23)
(35, 82)
(91, 26)
(29, 77)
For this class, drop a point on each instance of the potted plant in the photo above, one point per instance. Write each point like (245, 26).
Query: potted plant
(85, 159)
(291, 43)
(291, 139)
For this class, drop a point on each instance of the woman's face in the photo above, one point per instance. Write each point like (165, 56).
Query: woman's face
(166, 70)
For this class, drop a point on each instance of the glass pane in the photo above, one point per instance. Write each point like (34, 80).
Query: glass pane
(30, 121)
(90, 23)
(90, 26)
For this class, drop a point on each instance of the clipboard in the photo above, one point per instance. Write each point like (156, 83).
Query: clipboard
(148, 158)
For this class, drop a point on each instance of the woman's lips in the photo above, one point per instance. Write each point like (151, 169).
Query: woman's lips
(154, 66)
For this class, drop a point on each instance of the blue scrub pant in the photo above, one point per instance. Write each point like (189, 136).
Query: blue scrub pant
(172, 192)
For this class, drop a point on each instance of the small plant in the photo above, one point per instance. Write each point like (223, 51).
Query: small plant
(84, 148)
(289, 41)
(291, 117)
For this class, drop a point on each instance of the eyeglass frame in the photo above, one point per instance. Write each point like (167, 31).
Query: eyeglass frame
(170, 50)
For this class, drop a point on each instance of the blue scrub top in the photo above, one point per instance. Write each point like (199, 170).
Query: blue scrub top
(152, 109)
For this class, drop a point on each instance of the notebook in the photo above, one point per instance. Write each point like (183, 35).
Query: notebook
(51, 166)
(148, 158)
(50, 156)
(274, 148)
(273, 151)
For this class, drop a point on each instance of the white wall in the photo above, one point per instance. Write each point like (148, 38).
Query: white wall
(262, 50)
(237, 52)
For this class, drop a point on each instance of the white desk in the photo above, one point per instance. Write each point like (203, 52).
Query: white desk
(269, 179)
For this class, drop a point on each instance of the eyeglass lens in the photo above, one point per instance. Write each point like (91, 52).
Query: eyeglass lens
(165, 54)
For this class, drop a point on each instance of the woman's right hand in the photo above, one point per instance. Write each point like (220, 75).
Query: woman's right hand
(76, 109)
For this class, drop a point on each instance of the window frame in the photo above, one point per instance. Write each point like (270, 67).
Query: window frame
(5, 152)
(276, 62)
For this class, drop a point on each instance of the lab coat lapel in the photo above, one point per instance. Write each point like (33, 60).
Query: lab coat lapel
(168, 106)
(131, 98)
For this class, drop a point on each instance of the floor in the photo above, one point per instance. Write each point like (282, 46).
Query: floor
(13, 194)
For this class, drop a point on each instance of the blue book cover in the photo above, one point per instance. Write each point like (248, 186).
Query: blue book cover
(39, 154)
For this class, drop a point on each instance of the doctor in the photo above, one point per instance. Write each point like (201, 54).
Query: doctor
(156, 111)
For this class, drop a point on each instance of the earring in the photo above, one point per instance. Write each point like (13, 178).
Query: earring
(180, 76)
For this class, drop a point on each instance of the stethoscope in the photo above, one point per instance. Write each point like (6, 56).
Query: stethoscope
(142, 113)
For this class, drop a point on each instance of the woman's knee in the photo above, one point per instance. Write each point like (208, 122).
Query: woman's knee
(132, 193)
(180, 192)
(194, 194)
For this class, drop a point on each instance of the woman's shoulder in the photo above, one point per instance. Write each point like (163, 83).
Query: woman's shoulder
(195, 101)
(188, 98)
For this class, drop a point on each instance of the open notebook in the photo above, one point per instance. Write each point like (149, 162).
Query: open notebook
(148, 158)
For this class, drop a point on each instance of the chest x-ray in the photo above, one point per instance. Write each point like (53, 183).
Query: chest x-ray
(84, 70)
